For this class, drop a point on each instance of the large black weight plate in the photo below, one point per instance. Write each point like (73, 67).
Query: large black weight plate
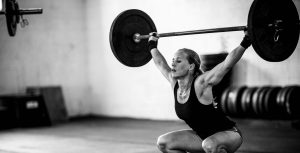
(246, 105)
(265, 12)
(238, 102)
(234, 100)
(261, 97)
(255, 100)
(280, 102)
(224, 100)
(123, 28)
(270, 102)
(284, 100)
(11, 11)
(292, 104)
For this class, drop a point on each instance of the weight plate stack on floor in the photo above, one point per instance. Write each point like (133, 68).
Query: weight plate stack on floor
(265, 102)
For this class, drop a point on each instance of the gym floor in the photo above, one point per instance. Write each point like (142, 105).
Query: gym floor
(123, 135)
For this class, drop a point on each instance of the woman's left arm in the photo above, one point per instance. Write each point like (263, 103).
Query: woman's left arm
(215, 75)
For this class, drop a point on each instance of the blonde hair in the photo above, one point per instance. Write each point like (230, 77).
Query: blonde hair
(193, 58)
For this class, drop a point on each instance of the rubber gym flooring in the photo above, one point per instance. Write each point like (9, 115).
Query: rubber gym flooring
(124, 135)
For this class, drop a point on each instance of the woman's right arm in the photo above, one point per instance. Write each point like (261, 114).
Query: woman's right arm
(159, 60)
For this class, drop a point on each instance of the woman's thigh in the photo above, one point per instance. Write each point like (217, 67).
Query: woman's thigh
(181, 141)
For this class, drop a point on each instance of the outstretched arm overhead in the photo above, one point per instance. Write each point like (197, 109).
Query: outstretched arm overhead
(215, 75)
(158, 58)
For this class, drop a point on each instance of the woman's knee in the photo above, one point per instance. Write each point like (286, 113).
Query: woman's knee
(211, 146)
(208, 145)
(164, 142)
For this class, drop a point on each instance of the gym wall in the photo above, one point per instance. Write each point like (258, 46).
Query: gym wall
(68, 45)
(51, 50)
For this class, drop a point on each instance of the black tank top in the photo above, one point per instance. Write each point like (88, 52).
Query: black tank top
(205, 120)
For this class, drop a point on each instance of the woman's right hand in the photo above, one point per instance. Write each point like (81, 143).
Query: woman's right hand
(153, 36)
(152, 42)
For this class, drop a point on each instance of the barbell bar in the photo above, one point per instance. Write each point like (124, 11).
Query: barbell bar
(137, 37)
(273, 27)
(277, 25)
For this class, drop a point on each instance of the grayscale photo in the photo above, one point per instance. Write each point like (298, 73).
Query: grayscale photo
(149, 76)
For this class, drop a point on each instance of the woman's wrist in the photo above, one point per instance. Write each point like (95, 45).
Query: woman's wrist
(246, 42)
(152, 44)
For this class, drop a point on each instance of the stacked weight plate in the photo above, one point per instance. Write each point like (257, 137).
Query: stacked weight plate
(271, 102)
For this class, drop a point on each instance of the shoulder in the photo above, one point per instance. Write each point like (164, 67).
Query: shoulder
(203, 90)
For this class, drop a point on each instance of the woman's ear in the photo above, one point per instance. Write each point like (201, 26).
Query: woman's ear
(192, 66)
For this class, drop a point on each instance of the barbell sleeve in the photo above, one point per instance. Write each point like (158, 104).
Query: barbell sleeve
(138, 37)
(30, 11)
(26, 11)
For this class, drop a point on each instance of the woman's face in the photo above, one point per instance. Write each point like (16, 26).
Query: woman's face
(180, 65)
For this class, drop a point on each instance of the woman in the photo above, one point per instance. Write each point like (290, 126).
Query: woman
(211, 131)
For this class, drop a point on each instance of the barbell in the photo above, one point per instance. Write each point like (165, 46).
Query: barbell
(13, 14)
(273, 27)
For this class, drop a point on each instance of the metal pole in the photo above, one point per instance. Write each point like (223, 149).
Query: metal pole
(26, 11)
(30, 11)
(138, 37)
